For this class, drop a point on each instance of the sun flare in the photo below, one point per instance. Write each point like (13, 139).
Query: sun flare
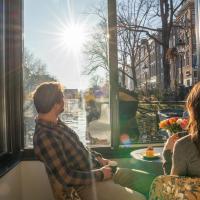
(73, 37)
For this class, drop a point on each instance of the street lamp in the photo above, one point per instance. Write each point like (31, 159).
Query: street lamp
(145, 68)
(180, 47)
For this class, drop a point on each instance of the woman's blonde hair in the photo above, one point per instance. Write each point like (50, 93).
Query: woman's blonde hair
(193, 107)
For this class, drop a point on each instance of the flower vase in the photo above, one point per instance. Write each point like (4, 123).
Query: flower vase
(169, 133)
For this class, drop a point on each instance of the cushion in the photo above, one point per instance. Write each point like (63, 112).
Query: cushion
(175, 187)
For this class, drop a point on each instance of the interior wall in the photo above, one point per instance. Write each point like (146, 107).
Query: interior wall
(27, 181)
(34, 181)
(10, 185)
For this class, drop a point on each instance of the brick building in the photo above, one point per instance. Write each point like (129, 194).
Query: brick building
(187, 57)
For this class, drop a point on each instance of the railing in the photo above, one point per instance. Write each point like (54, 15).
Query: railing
(148, 116)
(141, 129)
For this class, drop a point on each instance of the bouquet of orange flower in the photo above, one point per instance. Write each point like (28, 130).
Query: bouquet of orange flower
(174, 124)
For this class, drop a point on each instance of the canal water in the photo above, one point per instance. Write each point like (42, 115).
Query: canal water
(74, 116)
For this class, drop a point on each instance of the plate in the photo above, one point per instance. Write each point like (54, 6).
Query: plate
(156, 156)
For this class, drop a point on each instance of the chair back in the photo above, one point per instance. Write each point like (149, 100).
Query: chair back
(175, 187)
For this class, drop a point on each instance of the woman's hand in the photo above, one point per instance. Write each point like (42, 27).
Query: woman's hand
(169, 145)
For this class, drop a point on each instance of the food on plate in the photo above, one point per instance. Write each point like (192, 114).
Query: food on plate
(149, 152)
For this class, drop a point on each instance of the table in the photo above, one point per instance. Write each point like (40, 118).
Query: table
(151, 166)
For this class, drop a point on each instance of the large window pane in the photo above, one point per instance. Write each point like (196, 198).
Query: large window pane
(66, 41)
(155, 66)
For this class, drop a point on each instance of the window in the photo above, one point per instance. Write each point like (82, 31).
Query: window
(194, 40)
(188, 82)
(195, 74)
(187, 58)
(194, 60)
(193, 17)
(63, 43)
(186, 19)
(56, 51)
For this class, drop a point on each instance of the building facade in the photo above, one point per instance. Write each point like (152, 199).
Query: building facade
(186, 61)
(149, 72)
(183, 56)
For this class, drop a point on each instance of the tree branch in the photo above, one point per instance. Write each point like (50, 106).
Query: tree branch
(126, 74)
(178, 6)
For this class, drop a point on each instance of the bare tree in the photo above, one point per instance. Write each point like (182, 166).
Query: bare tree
(96, 48)
(163, 13)
(128, 41)
(34, 73)
(131, 12)
(136, 19)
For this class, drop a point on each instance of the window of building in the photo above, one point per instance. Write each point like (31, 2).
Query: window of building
(188, 82)
(194, 40)
(194, 60)
(187, 58)
(186, 19)
(195, 74)
(193, 17)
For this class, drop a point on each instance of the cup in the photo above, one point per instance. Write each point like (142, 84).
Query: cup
(113, 165)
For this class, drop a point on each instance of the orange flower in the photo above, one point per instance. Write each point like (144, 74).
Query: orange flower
(163, 124)
(174, 124)
(173, 120)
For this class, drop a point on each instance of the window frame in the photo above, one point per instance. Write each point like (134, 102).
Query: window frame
(2, 79)
(12, 54)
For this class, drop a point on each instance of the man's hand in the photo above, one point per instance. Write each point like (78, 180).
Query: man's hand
(102, 161)
(107, 172)
(169, 145)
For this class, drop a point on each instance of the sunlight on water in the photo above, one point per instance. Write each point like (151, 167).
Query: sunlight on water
(75, 117)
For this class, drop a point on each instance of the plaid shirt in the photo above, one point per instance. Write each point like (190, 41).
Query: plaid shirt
(64, 155)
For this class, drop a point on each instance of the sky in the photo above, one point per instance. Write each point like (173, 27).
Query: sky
(45, 22)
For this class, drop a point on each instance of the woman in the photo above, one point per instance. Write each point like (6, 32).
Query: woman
(185, 152)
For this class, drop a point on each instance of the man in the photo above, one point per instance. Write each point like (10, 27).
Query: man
(69, 164)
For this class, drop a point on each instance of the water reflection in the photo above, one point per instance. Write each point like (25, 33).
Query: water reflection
(75, 117)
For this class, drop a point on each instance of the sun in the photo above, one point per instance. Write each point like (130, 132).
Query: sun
(73, 36)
